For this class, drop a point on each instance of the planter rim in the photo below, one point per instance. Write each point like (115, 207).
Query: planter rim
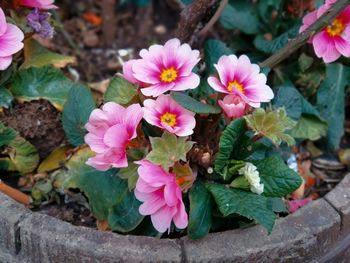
(309, 233)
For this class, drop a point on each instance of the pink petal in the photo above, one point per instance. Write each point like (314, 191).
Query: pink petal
(41, 4)
(98, 163)
(226, 68)
(114, 113)
(146, 72)
(187, 59)
(116, 136)
(133, 116)
(259, 93)
(145, 188)
(152, 204)
(128, 74)
(187, 123)
(112, 158)
(342, 46)
(325, 48)
(157, 89)
(95, 143)
(308, 20)
(185, 83)
(5, 62)
(181, 217)
(170, 194)
(170, 53)
(217, 85)
(3, 24)
(10, 41)
(161, 220)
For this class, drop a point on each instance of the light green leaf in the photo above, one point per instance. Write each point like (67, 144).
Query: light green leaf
(120, 91)
(271, 124)
(240, 14)
(234, 201)
(331, 102)
(130, 173)
(38, 56)
(76, 113)
(278, 179)
(193, 105)
(42, 83)
(22, 155)
(168, 149)
(6, 98)
(200, 217)
(309, 127)
(230, 138)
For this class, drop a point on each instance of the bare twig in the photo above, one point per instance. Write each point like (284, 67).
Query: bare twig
(297, 42)
(15, 194)
(192, 15)
(213, 20)
(109, 21)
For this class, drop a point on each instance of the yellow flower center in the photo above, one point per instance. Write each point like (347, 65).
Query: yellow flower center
(235, 84)
(168, 75)
(336, 28)
(169, 119)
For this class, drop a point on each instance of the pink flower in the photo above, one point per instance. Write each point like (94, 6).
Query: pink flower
(128, 73)
(41, 4)
(167, 114)
(11, 38)
(294, 205)
(164, 68)
(110, 130)
(238, 76)
(161, 197)
(233, 106)
(334, 40)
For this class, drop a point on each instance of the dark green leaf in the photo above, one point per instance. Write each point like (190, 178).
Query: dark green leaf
(200, 216)
(240, 14)
(125, 216)
(245, 203)
(331, 102)
(76, 113)
(228, 141)
(288, 97)
(278, 179)
(193, 105)
(270, 47)
(213, 50)
(277, 205)
(6, 98)
(120, 91)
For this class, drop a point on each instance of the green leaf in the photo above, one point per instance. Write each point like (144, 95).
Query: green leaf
(331, 102)
(230, 138)
(120, 91)
(22, 155)
(200, 217)
(76, 113)
(271, 124)
(305, 62)
(38, 56)
(234, 201)
(240, 14)
(289, 98)
(42, 83)
(125, 216)
(193, 105)
(278, 179)
(130, 173)
(6, 98)
(168, 149)
(213, 50)
(270, 47)
(309, 127)
(277, 205)
(108, 194)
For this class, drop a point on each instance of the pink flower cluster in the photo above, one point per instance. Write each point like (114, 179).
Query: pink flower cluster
(334, 40)
(244, 83)
(159, 70)
(11, 38)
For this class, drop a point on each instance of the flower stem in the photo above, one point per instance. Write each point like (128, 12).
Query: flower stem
(294, 44)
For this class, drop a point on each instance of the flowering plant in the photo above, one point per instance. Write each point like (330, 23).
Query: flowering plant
(182, 141)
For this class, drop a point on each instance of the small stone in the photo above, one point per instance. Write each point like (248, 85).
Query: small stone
(160, 29)
(90, 39)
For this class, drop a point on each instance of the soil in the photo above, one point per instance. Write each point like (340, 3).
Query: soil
(38, 122)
